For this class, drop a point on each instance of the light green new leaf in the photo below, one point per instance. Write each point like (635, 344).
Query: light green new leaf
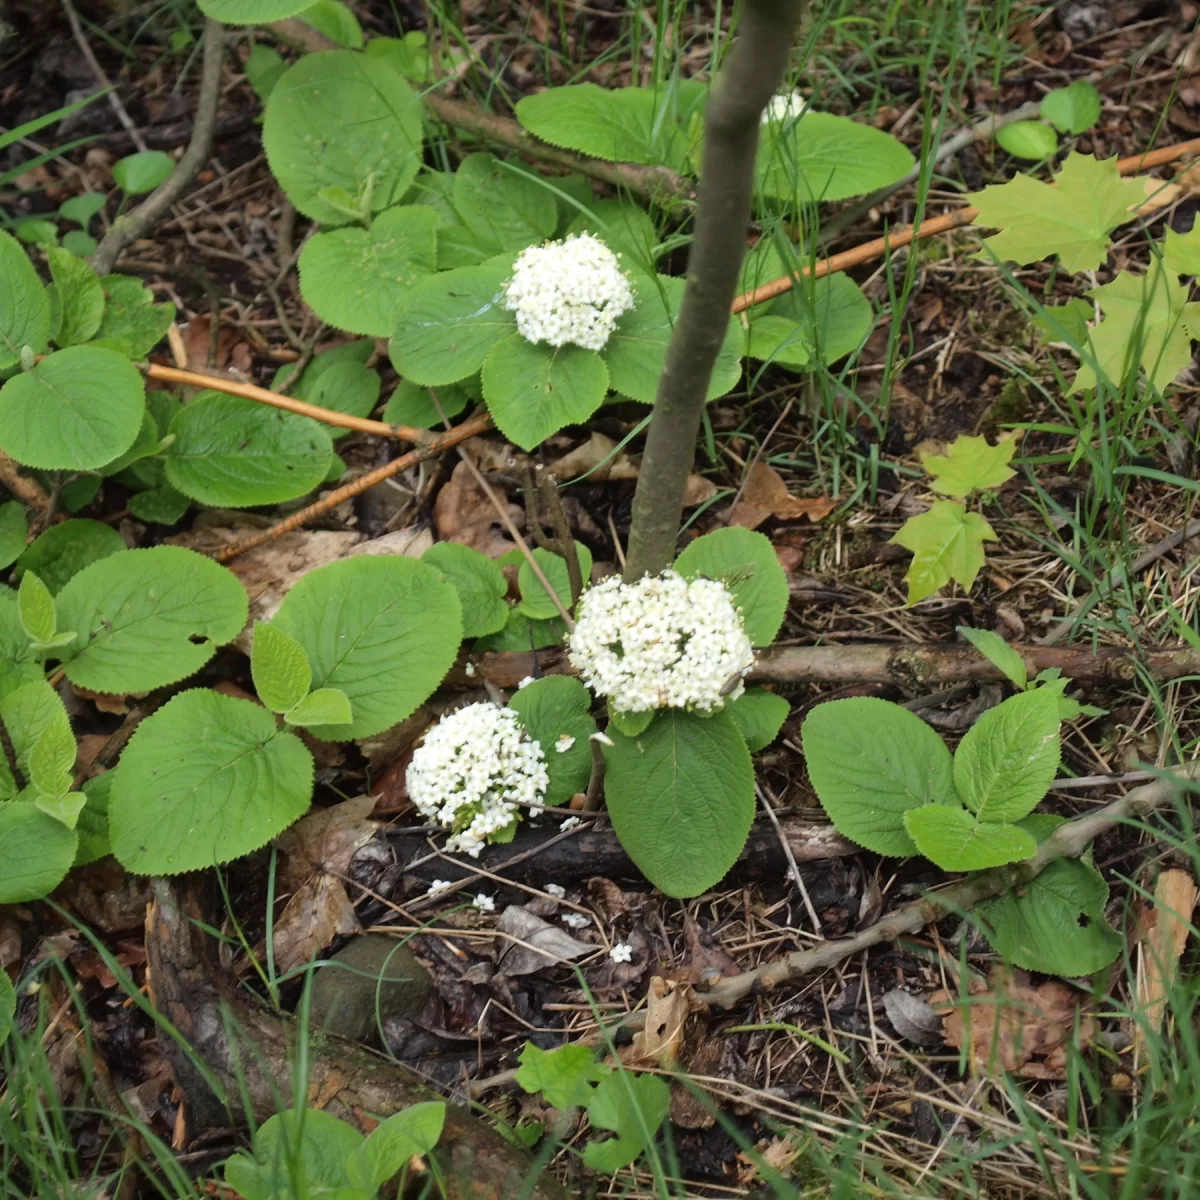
(336, 21)
(533, 391)
(564, 1076)
(536, 604)
(480, 584)
(871, 762)
(161, 506)
(448, 324)
(413, 1131)
(264, 68)
(147, 618)
(1072, 109)
(555, 712)
(631, 723)
(681, 798)
(504, 208)
(132, 322)
(33, 712)
(999, 653)
(24, 305)
(36, 852)
(325, 706)
(251, 12)
(1072, 220)
(13, 531)
(64, 550)
(633, 1106)
(62, 805)
(746, 563)
(956, 840)
(1065, 322)
(970, 465)
(1008, 758)
(19, 663)
(205, 779)
(77, 409)
(279, 668)
(35, 607)
(82, 208)
(1031, 140)
(80, 295)
(230, 452)
(382, 629)
(946, 543)
(142, 172)
(760, 715)
(354, 278)
(408, 55)
(1181, 251)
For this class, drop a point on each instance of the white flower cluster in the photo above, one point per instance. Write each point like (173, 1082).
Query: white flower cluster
(784, 107)
(568, 292)
(663, 642)
(471, 772)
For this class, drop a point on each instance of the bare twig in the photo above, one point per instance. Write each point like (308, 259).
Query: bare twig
(591, 798)
(793, 868)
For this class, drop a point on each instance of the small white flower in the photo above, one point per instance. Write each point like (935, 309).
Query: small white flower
(438, 886)
(786, 106)
(525, 682)
(662, 642)
(472, 773)
(568, 293)
(575, 920)
(553, 889)
(484, 902)
(571, 823)
(621, 952)
(470, 670)
(564, 743)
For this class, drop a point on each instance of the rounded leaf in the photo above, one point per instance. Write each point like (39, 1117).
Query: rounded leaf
(24, 305)
(1032, 140)
(76, 410)
(556, 713)
(142, 172)
(206, 779)
(36, 852)
(1072, 109)
(336, 120)
(957, 840)
(504, 208)
(412, 404)
(480, 584)
(681, 798)
(79, 293)
(382, 629)
(535, 603)
(279, 668)
(13, 531)
(760, 715)
(833, 315)
(64, 550)
(252, 12)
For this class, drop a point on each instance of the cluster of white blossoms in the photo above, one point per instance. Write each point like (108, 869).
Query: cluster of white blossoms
(785, 106)
(474, 769)
(568, 293)
(662, 642)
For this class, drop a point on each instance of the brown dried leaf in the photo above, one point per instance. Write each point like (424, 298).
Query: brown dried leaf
(766, 495)
(325, 841)
(707, 960)
(609, 898)
(464, 514)
(668, 1006)
(1160, 949)
(311, 919)
(197, 339)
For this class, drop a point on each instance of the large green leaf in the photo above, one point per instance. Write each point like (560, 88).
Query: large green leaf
(556, 713)
(480, 584)
(504, 208)
(956, 840)
(832, 315)
(206, 779)
(80, 296)
(230, 452)
(146, 618)
(342, 120)
(36, 852)
(18, 663)
(624, 227)
(382, 629)
(871, 762)
(681, 798)
(1008, 759)
(24, 305)
(746, 563)
(77, 409)
(533, 391)
(448, 324)
(252, 12)
(64, 550)
(132, 323)
(354, 278)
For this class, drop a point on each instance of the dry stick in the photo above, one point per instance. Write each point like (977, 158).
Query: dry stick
(1068, 841)
(746, 82)
(130, 226)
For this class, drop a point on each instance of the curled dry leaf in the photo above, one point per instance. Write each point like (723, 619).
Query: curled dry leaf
(601, 461)
(913, 1018)
(766, 495)
(325, 841)
(319, 912)
(538, 944)
(668, 1006)
(609, 898)
(464, 514)
(1162, 945)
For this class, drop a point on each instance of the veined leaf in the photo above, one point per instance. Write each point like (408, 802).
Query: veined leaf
(946, 543)
(970, 465)
(24, 306)
(480, 584)
(956, 840)
(556, 713)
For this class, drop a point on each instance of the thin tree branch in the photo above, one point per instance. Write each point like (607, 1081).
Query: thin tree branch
(130, 226)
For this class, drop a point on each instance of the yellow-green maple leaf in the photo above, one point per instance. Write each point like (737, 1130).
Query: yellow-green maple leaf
(1148, 322)
(970, 465)
(1072, 220)
(1181, 251)
(946, 543)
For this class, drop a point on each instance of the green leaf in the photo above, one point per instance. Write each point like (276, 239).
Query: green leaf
(64, 550)
(504, 208)
(92, 826)
(13, 531)
(19, 664)
(63, 806)
(24, 305)
(51, 760)
(142, 172)
(336, 21)
(1180, 252)
(1031, 140)
(37, 233)
(81, 295)
(8, 1007)
(871, 762)
(533, 391)
(147, 618)
(77, 409)
(1065, 322)
(625, 228)
(630, 724)
(522, 634)
(681, 798)
(279, 668)
(946, 543)
(759, 715)
(251, 12)
(957, 841)
(746, 563)
(780, 340)
(131, 319)
(412, 1131)
(354, 278)
(162, 506)
(823, 157)
(636, 353)
(999, 653)
(408, 55)
(563, 1076)
(385, 630)
(230, 452)
(299, 1152)
(556, 713)
(340, 119)
(35, 607)
(448, 324)
(480, 585)
(325, 706)
(205, 779)
(1008, 759)
(412, 404)
(31, 713)
(1072, 109)
(81, 244)
(263, 68)
(81, 209)
(633, 1106)
(36, 852)
(1072, 220)
(535, 602)
(345, 386)
(1055, 923)
(970, 465)
(833, 314)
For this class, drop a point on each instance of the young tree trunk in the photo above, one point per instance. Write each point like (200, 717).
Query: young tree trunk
(751, 74)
